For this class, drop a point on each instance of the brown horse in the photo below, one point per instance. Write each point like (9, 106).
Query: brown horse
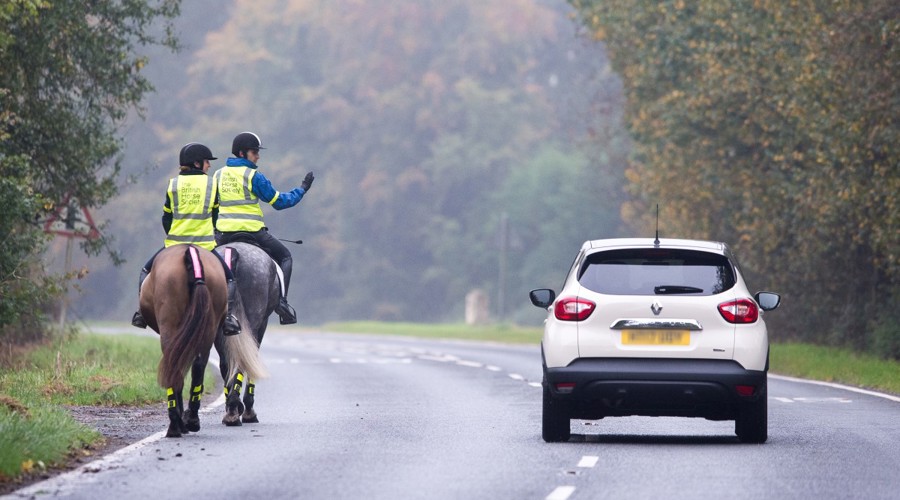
(184, 300)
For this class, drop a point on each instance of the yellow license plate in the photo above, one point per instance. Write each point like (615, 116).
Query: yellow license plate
(656, 337)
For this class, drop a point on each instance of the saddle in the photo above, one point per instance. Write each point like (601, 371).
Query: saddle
(243, 237)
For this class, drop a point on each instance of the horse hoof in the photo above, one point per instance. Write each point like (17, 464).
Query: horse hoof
(249, 419)
(173, 432)
(231, 421)
(193, 426)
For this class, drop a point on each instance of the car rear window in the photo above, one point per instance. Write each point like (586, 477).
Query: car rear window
(656, 271)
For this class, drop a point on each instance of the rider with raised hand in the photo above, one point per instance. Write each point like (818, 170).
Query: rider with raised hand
(241, 186)
(189, 215)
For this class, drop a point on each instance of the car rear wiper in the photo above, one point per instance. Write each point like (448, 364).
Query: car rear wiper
(673, 289)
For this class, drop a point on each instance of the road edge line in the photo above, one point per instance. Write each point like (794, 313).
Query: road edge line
(837, 386)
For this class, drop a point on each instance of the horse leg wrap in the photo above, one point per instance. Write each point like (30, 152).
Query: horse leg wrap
(172, 404)
(248, 397)
(196, 394)
(238, 383)
(233, 393)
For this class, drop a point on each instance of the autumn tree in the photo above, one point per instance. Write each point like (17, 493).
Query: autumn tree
(772, 125)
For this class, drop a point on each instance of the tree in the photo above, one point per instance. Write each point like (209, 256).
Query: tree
(412, 114)
(70, 73)
(771, 125)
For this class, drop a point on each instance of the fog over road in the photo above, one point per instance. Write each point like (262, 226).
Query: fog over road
(377, 417)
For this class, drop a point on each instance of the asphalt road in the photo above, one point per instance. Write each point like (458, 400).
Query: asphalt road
(368, 417)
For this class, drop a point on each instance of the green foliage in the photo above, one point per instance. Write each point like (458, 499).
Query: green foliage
(70, 75)
(40, 438)
(75, 370)
(22, 286)
(770, 125)
(86, 370)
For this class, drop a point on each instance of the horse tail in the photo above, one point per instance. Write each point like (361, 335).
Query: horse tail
(242, 350)
(182, 347)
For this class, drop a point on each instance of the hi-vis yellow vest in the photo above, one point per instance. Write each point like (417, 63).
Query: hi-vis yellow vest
(191, 198)
(239, 208)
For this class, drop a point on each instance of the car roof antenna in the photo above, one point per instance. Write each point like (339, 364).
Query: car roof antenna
(656, 241)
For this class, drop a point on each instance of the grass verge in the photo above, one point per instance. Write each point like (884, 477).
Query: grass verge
(84, 370)
(829, 364)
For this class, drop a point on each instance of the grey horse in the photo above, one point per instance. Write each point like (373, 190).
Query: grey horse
(258, 290)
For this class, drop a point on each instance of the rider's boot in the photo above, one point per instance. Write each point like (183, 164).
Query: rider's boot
(138, 320)
(286, 313)
(232, 326)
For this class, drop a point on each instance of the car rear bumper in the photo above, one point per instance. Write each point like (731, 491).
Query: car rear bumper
(605, 387)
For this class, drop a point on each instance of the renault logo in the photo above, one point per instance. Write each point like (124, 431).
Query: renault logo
(656, 307)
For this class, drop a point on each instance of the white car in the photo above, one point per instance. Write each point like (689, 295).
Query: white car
(655, 327)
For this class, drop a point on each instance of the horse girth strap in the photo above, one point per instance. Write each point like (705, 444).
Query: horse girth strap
(194, 264)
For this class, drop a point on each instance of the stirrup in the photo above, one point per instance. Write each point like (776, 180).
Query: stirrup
(231, 326)
(286, 313)
(138, 320)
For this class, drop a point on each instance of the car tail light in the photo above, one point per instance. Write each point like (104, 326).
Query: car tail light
(573, 309)
(565, 387)
(739, 311)
(745, 390)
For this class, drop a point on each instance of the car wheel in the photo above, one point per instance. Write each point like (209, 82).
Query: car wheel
(555, 422)
(752, 422)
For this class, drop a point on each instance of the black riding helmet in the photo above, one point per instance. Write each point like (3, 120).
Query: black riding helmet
(245, 141)
(194, 152)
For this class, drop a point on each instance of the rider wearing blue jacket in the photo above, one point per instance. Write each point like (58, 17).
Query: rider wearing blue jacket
(241, 186)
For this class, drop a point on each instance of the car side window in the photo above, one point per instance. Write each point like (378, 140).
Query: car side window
(656, 271)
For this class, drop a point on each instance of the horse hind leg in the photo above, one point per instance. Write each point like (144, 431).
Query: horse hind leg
(233, 406)
(175, 404)
(191, 416)
(249, 415)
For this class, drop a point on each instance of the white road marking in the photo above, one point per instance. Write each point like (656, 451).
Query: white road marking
(516, 376)
(441, 359)
(473, 364)
(588, 461)
(784, 400)
(823, 400)
(561, 493)
(535, 384)
(837, 386)
(493, 368)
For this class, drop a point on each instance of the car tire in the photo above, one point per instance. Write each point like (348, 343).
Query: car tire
(555, 426)
(752, 422)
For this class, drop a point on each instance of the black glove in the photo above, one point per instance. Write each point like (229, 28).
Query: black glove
(307, 181)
